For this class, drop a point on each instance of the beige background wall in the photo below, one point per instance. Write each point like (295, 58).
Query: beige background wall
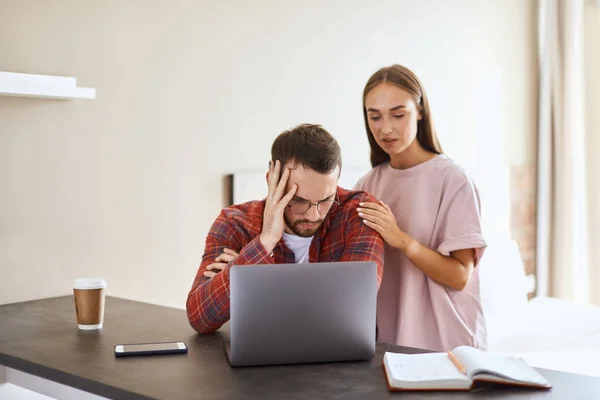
(127, 185)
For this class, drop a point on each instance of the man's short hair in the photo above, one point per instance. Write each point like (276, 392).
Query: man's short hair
(308, 145)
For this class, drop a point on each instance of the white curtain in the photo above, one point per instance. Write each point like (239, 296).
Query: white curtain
(568, 178)
(592, 74)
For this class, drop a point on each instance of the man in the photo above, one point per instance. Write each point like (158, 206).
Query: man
(305, 217)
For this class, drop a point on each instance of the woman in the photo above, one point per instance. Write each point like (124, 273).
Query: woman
(429, 216)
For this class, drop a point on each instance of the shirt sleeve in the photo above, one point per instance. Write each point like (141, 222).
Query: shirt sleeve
(362, 242)
(208, 301)
(461, 221)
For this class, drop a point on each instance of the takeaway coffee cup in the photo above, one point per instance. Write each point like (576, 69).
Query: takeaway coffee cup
(89, 302)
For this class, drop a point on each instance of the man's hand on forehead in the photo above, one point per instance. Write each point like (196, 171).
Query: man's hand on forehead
(276, 201)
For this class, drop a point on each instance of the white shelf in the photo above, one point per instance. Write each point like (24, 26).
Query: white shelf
(44, 86)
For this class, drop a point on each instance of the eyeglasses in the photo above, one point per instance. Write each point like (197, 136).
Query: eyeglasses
(298, 207)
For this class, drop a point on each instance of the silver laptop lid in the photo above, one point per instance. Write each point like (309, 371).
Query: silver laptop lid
(299, 313)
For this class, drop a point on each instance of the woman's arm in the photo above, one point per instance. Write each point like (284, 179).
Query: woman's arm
(453, 271)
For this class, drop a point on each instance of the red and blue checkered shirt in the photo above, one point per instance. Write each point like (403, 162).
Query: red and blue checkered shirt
(342, 237)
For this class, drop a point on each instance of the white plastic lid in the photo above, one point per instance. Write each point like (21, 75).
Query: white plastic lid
(89, 283)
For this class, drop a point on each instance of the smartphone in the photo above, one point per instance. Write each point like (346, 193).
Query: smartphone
(148, 349)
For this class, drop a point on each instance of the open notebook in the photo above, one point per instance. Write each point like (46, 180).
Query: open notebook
(459, 369)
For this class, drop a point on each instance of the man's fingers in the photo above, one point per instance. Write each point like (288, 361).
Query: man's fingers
(225, 258)
(218, 266)
(271, 179)
(286, 199)
(282, 184)
(231, 252)
(209, 274)
(229, 255)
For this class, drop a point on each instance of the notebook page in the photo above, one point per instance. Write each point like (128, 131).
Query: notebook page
(490, 378)
(476, 361)
(423, 368)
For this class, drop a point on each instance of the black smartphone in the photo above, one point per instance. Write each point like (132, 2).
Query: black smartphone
(148, 349)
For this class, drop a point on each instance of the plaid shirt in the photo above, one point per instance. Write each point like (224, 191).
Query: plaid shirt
(342, 237)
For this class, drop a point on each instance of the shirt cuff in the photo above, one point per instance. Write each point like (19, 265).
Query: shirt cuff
(473, 241)
(254, 253)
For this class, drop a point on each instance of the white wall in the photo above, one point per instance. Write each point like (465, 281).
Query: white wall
(126, 186)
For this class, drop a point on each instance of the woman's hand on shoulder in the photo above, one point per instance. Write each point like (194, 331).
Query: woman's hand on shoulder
(379, 217)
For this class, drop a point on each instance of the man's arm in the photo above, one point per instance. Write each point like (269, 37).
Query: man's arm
(208, 301)
(362, 242)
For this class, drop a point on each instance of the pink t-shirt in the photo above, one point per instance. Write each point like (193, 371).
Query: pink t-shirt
(437, 204)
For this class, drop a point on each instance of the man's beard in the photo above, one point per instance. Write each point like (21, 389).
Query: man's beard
(303, 232)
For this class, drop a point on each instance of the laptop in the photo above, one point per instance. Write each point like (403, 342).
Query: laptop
(302, 313)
